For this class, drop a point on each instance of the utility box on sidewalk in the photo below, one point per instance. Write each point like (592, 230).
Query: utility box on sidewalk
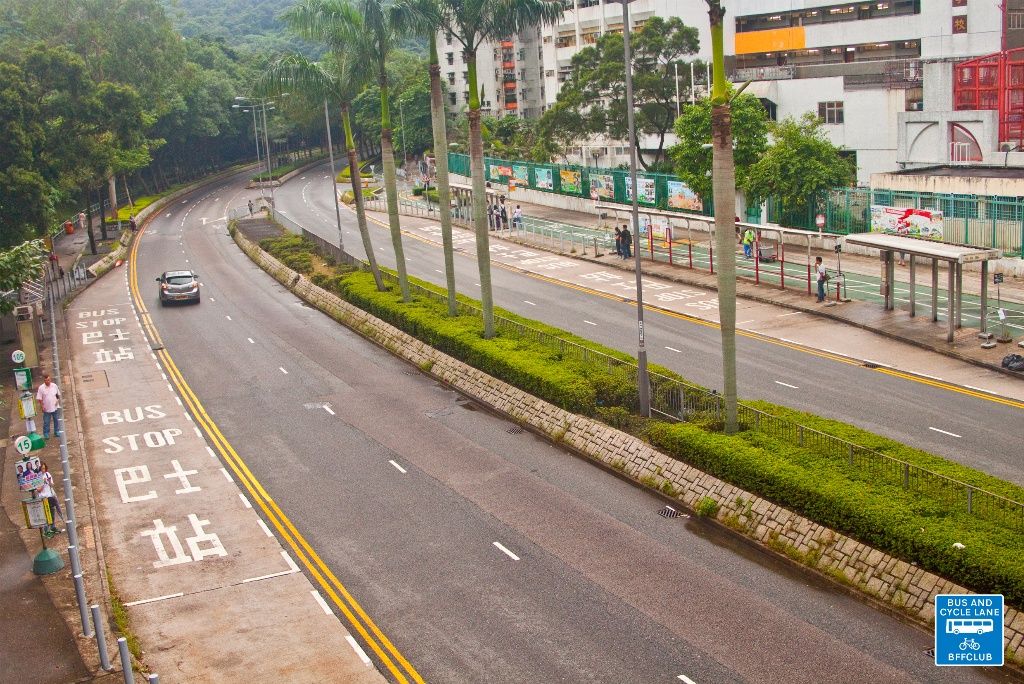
(28, 334)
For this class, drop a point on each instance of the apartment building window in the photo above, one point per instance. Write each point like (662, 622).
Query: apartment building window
(452, 99)
(547, 39)
(448, 38)
(451, 58)
(827, 15)
(451, 78)
(566, 41)
(830, 112)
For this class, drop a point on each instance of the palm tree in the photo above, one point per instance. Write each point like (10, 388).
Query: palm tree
(379, 33)
(341, 78)
(474, 22)
(323, 81)
(723, 175)
(424, 17)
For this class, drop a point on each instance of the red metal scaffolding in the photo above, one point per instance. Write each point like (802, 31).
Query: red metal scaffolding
(994, 82)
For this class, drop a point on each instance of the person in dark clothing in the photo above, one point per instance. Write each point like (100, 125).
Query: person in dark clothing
(627, 242)
(618, 242)
(504, 217)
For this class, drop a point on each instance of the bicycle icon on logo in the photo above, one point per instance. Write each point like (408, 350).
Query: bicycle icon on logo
(969, 644)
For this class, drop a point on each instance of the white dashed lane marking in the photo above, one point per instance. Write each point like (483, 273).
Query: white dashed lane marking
(786, 384)
(506, 551)
(951, 434)
(282, 370)
(226, 475)
(397, 467)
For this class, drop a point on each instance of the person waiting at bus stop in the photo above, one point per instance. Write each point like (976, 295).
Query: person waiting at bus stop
(748, 242)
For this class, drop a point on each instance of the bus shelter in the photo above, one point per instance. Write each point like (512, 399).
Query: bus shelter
(953, 255)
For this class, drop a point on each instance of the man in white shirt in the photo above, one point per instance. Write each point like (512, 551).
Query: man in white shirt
(48, 396)
(822, 278)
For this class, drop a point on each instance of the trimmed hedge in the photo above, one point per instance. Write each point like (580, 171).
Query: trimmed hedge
(280, 171)
(906, 524)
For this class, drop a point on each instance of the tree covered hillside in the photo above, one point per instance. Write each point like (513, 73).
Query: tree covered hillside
(243, 24)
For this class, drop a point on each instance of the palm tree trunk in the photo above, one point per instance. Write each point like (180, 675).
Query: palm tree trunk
(723, 175)
(479, 210)
(357, 193)
(441, 164)
(391, 186)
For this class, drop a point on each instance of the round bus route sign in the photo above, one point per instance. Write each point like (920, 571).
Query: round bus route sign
(18, 356)
(23, 444)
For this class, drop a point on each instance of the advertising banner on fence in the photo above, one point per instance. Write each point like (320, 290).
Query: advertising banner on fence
(924, 223)
(645, 189)
(497, 172)
(521, 174)
(571, 181)
(602, 186)
(682, 197)
(543, 179)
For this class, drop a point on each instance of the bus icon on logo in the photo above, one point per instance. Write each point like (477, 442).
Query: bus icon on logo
(969, 626)
(969, 630)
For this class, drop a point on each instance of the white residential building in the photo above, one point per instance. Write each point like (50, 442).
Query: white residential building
(880, 73)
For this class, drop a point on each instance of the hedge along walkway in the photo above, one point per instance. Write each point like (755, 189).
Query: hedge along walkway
(883, 577)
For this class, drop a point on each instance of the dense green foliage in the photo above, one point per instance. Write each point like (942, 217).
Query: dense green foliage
(692, 160)
(801, 163)
(907, 524)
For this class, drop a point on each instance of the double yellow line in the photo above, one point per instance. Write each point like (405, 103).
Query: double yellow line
(371, 634)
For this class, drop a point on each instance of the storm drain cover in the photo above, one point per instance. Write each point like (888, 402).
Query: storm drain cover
(668, 512)
(515, 430)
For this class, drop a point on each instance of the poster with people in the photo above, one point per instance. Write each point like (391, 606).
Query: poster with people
(682, 197)
(521, 174)
(644, 190)
(544, 179)
(28, 473)
(602, 186)
(498, 172)
(571, 181)
(925, 223)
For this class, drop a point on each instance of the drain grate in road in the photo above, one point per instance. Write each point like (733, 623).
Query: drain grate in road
(515, 430)
(668, 512)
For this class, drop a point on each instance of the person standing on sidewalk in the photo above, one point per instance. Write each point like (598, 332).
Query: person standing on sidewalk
(132, 223)
(819, 268)
(517, 217)
(49, 396)
(49, 493)
(748, 242)
(490, 216)
(504, 217)
(627, 242)
(618, 242)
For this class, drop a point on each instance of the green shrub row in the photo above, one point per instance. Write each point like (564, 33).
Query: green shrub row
(294, 251)
(907, 524)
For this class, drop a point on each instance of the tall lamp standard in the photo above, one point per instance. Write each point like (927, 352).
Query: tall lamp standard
(256, 137)
(334, 175)
(643, 378)
(264, 104)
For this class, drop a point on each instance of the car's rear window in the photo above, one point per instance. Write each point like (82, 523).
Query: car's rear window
(179, 279)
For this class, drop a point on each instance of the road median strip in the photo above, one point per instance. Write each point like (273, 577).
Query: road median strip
(794, 481)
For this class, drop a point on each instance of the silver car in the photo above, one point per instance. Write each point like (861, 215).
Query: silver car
(179, 286)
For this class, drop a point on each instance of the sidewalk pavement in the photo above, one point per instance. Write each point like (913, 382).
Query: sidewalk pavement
(897, 324)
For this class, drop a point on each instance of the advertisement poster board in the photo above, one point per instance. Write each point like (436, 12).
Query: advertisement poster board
(498, 172)
(682, 197)
(645, 190)
(571, 181)
(28, 474)
(925, 223)
(521, 174)
(544, 179)
(602, 186)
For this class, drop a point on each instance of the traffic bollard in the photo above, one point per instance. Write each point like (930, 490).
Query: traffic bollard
(126, 660)
(83, 607)
(154, 678)
(101, 642)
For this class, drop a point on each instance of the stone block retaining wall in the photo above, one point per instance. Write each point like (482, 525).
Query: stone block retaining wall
(884, 578)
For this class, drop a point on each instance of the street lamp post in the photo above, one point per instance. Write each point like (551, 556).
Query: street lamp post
(256, 137)
(643, 379)
(401, 118)
(677, 89)
(263, 105)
